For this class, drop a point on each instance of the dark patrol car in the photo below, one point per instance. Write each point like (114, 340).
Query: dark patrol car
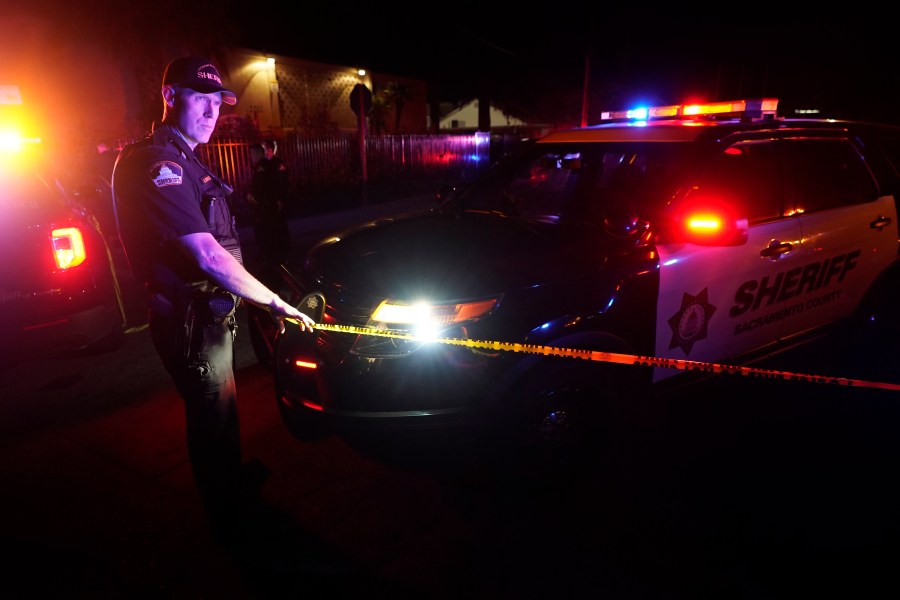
(712, 233)
(58, 288)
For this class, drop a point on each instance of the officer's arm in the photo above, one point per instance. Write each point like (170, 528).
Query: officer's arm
(225, 271)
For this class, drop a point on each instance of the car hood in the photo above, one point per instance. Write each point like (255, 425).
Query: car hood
(440, 255)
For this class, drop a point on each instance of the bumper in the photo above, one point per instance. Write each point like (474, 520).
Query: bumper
(436, 385)
(61, 334)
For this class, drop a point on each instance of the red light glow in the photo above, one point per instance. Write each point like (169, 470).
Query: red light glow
(707, 223)
(68, 247)
(313, 405)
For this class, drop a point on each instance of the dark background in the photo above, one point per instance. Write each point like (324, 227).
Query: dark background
(533, 61)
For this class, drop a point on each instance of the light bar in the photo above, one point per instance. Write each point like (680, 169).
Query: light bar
(735, 108)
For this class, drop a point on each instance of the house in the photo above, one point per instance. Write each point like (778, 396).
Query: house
(286, 94)
(465, 117)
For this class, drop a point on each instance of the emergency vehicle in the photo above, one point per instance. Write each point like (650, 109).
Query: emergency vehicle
(58, 287)
(685, 236)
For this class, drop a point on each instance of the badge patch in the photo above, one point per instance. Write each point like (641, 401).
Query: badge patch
(165, 173)
(689, 324)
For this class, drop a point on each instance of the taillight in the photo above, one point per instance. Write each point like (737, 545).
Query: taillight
(68, 247)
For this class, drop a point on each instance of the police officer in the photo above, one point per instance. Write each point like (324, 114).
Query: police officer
(269, 195)
(182, 243)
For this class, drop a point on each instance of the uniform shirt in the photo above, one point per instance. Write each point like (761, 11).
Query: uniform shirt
(163, 192)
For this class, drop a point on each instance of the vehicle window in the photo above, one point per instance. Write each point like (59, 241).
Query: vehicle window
(27, 189)
(743, 177)
(882, 151)
(543, 186)
(578, 181)
(826, 173)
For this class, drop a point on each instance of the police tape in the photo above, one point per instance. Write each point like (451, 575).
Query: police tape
(612, 357)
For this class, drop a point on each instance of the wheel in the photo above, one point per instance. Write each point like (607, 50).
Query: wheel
(554, 424)
(303, 427)
(565, 421)
(869, 340)
(560, 427)
(292, 388)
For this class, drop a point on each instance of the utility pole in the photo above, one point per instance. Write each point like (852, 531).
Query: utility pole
(585, 94)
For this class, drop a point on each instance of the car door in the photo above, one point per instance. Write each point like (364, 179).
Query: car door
(716, 300)
(848, 229)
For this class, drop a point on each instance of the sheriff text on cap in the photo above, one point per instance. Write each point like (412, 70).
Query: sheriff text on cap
(199, 75)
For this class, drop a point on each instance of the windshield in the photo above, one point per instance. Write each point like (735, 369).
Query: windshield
(579, 181)
(26, 187)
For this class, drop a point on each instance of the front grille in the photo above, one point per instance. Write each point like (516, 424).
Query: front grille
(342, 307)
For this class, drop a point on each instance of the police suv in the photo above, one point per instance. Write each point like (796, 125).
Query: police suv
(58, 289)
(681, 236)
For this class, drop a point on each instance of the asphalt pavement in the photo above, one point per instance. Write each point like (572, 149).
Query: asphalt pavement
(98, 497)
(750, 489)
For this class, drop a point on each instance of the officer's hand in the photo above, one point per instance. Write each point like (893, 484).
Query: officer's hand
(303, 321)
(295, 316)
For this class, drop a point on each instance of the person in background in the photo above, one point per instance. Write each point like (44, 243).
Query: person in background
(182, 243)
(99, 187)
(268, 197)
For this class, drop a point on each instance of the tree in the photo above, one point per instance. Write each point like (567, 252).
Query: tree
(397, 94)
(378, 115)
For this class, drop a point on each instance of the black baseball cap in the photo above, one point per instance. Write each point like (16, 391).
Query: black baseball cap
(199, 75)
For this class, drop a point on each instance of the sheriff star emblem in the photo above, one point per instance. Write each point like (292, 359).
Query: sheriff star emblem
(689, 323)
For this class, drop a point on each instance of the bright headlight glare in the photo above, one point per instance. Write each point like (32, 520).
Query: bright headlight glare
(427, 316)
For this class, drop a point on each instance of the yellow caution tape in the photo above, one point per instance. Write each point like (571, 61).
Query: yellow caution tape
(611, 357)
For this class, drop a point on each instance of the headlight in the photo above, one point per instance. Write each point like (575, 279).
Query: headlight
(425, 320)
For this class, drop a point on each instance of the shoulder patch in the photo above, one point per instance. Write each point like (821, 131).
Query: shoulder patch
(165, 173)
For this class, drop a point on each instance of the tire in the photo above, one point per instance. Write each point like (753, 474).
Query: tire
(303, 427)
(555, 424)
(303, 423)
(869, 340)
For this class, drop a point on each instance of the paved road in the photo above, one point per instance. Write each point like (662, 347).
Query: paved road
(746, 489)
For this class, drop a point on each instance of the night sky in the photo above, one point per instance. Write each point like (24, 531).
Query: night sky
(533, 62)
(848, 65)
